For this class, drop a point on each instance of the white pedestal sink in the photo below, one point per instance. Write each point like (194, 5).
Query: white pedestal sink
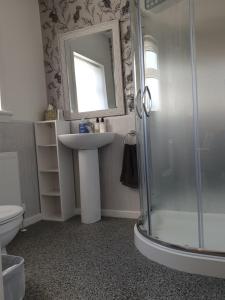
(87, 145)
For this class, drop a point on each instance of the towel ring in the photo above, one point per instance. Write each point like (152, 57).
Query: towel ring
(131, 133)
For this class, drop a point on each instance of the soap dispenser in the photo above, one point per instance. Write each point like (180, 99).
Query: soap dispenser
(97, 126)
(102, 126)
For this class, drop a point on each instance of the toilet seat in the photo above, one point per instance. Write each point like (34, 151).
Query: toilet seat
(9, 212)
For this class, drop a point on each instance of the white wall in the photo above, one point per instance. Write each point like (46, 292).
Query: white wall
(21, 55)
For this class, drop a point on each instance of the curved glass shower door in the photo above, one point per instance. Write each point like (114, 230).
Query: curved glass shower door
(169, 128)
(210, 67)
(139, 85)
(182, 126)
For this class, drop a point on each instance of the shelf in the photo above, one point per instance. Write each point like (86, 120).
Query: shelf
(47, 158)
(45, 133)
(48, 145)
(51, 208)
(49, 171)
(49, 182)
(51, 194)
(45, 122)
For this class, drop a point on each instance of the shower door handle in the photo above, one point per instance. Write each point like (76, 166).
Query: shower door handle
(137, 103)
(147, 101)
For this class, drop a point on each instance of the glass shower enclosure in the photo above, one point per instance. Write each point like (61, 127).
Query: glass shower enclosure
(179, 59)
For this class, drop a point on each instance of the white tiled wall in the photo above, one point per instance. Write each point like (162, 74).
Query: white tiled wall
(19, 137)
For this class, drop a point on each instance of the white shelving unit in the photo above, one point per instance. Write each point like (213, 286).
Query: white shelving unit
(55, 171)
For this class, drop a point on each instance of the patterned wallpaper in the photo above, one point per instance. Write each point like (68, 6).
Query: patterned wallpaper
(65, 15)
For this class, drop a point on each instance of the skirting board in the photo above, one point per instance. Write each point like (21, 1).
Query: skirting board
(126, 214)
(31, 220)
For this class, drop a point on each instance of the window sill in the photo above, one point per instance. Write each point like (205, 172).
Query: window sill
(5, 115)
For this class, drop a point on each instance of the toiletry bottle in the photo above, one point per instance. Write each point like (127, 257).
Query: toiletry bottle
(102, 125)
(60, 114)
(97, 126)
(83, 126)
(90, 126)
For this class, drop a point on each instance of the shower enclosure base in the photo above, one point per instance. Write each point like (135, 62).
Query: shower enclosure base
(180, 228)
(166, 227)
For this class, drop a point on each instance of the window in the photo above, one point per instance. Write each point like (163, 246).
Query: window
(152, 70)
(90, 84)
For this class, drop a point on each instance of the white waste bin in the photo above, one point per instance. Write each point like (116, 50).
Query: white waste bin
(13, 277)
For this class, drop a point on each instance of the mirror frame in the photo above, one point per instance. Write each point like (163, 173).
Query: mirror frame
(118, 78)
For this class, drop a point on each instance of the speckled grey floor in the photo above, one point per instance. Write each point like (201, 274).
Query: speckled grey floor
(99, 262)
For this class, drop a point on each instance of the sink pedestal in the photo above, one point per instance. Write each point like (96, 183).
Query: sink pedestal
(87, 145)
(89, 186)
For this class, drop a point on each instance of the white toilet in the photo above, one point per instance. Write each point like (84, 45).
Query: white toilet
(11, 217)
(11, 210)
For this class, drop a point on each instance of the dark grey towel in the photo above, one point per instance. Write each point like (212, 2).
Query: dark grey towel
(129, 174)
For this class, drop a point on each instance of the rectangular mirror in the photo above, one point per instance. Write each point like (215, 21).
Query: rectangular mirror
(91, 69)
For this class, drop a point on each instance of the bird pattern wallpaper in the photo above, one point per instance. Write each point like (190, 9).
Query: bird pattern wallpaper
(58, 16)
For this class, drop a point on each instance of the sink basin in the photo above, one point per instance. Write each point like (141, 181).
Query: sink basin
(87, 145)
(86, 141)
